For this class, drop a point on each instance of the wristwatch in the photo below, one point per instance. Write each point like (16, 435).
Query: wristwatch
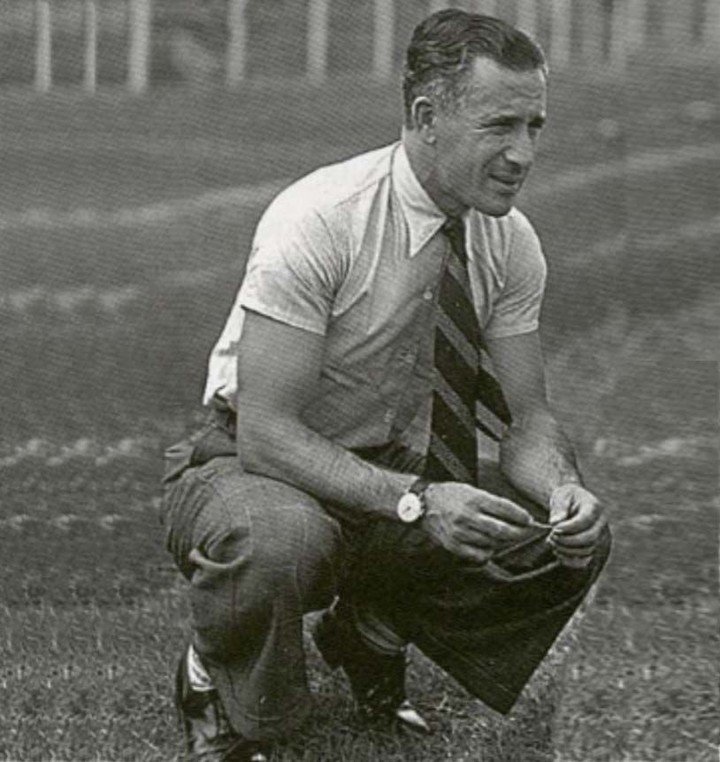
(411, 506)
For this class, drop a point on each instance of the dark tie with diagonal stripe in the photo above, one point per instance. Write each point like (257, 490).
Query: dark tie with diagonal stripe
(465, 396)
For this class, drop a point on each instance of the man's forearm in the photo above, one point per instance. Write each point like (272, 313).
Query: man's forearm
(287, 450)
(536, 457)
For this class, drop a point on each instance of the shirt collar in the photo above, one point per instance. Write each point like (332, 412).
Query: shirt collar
(423, 217)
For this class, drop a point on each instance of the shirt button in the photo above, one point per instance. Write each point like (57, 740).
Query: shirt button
(389, 416)
(427, 295)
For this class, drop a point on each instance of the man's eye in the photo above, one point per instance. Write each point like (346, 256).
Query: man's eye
(496, 129)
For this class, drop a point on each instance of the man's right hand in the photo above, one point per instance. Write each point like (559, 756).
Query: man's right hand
(471, 523)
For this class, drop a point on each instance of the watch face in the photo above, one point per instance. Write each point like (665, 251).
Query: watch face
(410, 508)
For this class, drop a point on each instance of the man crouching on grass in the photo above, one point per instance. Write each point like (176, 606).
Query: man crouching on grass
(386, 332)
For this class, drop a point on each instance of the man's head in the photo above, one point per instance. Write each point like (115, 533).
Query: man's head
(475, 99)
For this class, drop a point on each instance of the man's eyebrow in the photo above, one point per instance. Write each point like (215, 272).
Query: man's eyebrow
(498, 119)
(509, 119)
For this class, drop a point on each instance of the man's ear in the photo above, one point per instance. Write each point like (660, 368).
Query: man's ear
(424, 119)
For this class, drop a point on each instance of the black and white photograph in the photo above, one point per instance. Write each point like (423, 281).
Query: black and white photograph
(360, 380)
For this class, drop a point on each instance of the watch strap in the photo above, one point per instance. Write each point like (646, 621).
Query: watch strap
(419, 486)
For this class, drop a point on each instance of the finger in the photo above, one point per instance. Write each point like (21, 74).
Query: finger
(471, 537)
(584, 516)
(503, 509)
(576, 563)
(471, 553)
(535, 524)
(561, 501)
(574, 552)
(559, 511)
(494, 529)
(589, 537)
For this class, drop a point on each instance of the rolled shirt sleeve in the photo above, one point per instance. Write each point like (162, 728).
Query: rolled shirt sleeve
(516, 307)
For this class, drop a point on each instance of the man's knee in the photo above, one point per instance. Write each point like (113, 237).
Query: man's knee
(256, 540)
(295, 555)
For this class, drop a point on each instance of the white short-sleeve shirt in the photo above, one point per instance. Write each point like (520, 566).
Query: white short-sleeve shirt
(354, 252)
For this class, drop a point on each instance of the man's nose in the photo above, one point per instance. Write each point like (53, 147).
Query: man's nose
(521, 152)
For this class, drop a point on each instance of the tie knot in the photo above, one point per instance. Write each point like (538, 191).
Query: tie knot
(454, 226)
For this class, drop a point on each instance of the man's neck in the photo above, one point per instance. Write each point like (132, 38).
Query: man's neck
(420, 158)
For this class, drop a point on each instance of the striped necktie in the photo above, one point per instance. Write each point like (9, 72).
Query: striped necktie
(465, 396)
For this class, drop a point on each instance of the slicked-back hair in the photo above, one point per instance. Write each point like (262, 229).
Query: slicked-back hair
(444, 46)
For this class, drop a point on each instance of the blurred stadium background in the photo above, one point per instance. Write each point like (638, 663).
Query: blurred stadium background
(151, 42)
(139, 144)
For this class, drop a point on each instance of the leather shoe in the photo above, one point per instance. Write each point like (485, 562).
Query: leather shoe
(377, 680)
(206, 728)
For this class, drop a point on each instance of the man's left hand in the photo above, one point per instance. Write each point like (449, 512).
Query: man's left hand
(578, 519)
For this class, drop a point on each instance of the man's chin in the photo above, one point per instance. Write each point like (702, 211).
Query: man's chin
(496, 207)
(494, 201)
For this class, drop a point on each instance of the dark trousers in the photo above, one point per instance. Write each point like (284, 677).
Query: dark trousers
(259, 553)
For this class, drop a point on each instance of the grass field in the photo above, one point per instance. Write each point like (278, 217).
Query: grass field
(125, 225)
